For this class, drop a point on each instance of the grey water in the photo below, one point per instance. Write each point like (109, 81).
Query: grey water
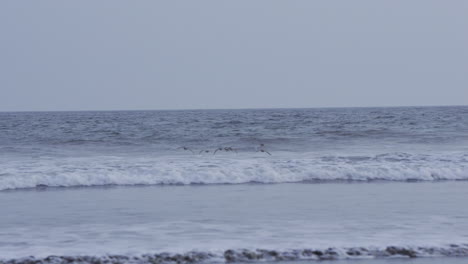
(144, 147)
(429, 218)
(340, 183)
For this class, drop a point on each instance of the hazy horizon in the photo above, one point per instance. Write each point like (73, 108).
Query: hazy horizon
(119, 55)
(221, 109)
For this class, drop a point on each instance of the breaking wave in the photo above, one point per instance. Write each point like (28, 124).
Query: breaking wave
(246, 255)
(186, 170)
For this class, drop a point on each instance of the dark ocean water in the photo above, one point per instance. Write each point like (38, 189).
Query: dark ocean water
(292, 130)
(144, 147)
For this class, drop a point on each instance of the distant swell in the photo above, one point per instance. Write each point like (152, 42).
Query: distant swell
(187, 169)
(246, 255)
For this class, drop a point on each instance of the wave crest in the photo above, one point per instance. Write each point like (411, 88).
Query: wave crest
(185, 170)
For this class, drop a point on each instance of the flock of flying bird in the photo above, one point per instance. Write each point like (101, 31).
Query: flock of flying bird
(260, 148)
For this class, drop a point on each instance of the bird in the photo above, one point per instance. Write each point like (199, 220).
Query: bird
(204, 151)
(186, 148)
(218, 149)
(227, 149)
(261, 148)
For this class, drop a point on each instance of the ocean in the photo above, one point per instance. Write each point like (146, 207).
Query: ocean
(368, 185)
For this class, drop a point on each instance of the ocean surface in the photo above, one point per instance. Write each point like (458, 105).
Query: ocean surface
(201, 186)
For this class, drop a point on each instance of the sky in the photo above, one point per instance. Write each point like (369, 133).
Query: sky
(132, 55)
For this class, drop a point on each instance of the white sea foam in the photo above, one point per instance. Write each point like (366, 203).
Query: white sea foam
(185, 169)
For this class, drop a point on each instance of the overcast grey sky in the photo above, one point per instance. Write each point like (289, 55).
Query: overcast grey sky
(98, 55)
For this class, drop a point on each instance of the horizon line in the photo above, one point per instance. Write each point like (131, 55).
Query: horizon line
(214, 109)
